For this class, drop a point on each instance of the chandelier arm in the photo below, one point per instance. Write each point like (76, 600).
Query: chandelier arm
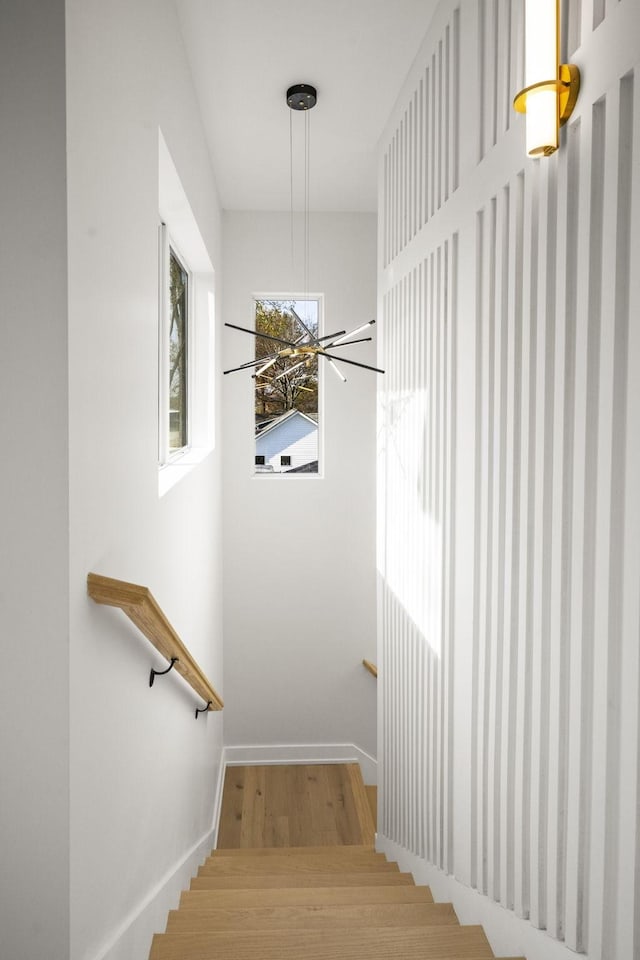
(271, 359)
(303, 324)
(337, 372)
(256, 363)
(285, 373)
(352, 333)
(268, 357)
(353, 363)
(247, 366)
(347, 343)
(256, 333)
(329, 336)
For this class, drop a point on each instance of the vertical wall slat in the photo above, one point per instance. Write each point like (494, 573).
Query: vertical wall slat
(629, 868)
(618, 519)
(577, 836)
(454, 116)
(496, 379)
(630, 884)
(478, 566)
(509, 538)
(504, 108)
(522, 818)
(427, 141)
(600, 895)
(557, 588)
(452, 319)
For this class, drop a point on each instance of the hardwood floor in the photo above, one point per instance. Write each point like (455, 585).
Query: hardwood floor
(295, 806)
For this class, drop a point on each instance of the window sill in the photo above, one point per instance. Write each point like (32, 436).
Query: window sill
(171, 473)
(270, 477)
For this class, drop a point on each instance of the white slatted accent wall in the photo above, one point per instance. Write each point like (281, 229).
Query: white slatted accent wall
(509, 504)
(421, 163)
(418, 405)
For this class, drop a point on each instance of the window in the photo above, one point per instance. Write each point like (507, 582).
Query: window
(174, 372)
(259, 461)
(178, 352)
(186, 334)
(287, 425)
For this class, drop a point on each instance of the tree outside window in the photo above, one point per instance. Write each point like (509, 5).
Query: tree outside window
(178, 306)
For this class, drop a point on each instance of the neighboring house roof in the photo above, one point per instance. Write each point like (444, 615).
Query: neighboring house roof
(305, 468)
(261, 430)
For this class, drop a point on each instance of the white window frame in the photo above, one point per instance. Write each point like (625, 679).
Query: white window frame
(167, 246)
(183, 235)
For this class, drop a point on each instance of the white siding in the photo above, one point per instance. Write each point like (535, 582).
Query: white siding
(296, 437)
(509, 550)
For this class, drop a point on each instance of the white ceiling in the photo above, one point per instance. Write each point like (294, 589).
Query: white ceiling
(245, 53)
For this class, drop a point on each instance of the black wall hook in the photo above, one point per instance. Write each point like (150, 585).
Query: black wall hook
(203, 709)
(161, 673)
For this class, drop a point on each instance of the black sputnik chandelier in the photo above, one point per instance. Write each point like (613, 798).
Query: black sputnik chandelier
(300, 353)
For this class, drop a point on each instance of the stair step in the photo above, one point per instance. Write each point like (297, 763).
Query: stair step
(324, 863)
(345, 850)
(310, 917)
(359, 879)
(363, 810)
(376, 943)
(372, 799)
(307, 896)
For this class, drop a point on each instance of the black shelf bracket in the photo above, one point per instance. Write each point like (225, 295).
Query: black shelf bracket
(161, 673)
(203, 709)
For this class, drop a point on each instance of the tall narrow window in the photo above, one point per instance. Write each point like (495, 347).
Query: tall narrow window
(174, 359)
(186, 332)
(286, 388)
(178, 333)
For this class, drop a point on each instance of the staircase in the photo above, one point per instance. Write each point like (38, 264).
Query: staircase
(342, 902)
(312, 903)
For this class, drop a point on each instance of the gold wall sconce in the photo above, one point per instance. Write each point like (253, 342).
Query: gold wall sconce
(552, 88)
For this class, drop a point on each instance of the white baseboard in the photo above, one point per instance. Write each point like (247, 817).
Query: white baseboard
(217, 799)
(133, 937)
(303, 753)
(508, 934)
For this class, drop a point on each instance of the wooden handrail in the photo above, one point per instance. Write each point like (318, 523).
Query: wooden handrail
(371, 667)
(142, 609)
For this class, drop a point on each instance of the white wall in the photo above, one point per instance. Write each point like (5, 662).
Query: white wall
(509, 555)
(143, 771)
(299, 551)
(34, 524)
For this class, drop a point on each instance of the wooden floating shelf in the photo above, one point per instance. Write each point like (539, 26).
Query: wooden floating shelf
(371, 667)
(142, 609)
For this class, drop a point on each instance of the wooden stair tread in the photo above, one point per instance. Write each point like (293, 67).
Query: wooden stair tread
(372, 799)
(345, 850)
(374, 943)
(363, 810)
(296, 896)
(321, 863)
(310, 916)
(316, 879)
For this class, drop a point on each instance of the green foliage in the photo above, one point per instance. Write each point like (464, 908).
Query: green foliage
(282, 387)
(177, 354)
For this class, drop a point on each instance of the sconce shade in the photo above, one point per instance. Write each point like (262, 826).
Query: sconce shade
(551, 88)
(541, 64)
